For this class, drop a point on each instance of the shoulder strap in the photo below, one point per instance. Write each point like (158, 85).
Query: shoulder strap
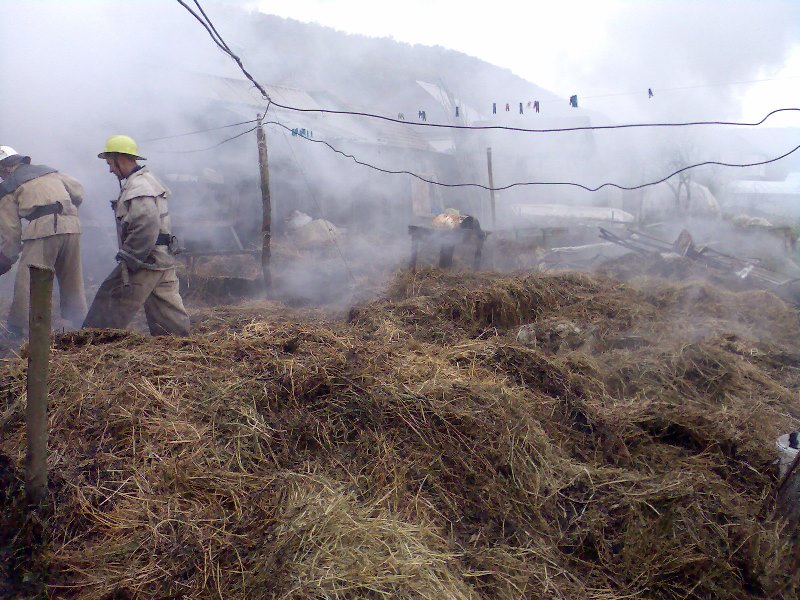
(23, 174)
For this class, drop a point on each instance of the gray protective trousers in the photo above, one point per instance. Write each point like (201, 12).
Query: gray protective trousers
(117, 303)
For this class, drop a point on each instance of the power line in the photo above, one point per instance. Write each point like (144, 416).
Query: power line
(530, 183)
(687, 87)
(222, 45)
(212, 31)
(208, 25)
(225, 141)
(170, 137)
(660, 90)
(529, 130)
(479, 185)
(554, 130)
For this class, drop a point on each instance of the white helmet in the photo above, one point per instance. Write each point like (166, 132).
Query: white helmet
(6, 152)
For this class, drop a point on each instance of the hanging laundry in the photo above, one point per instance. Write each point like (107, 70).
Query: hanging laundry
(508, 108)
(536, 105)
(649, 92)
(456, 111)
(573, 101)
(494, 108)
(294, 132)
(520, 108)
(401, 116)
(422, 115)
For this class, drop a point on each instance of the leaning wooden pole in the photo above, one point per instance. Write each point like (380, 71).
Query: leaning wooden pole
(491, 185)
(266, 206)
(38, 371)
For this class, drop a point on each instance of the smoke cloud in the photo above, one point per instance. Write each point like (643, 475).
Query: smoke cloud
(77, 72)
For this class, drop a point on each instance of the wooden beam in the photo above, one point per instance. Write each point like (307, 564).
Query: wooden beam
(491, 186)
(41, 292)
(266, 206)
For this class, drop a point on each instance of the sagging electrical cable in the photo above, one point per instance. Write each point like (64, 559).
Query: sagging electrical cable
(225, 141)
(530, 130)
(555, 130)
(531, 183)
(223, 45)
(208, 25)
(212, 31)
(479, 185)
(179, 135)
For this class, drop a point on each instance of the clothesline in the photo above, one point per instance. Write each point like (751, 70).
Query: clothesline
(534, 105)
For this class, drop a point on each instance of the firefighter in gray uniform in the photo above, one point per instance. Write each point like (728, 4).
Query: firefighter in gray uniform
(145, 274)
(48, 201)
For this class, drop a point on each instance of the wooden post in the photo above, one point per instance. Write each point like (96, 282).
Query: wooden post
(788, 493)
(491, 185)
(266, 204)
(446, 255)
(38, 370)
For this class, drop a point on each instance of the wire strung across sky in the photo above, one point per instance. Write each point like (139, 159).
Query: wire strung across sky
(220, 42)
(172, 137)
(458, 185)
(519, 129)
(530, 183)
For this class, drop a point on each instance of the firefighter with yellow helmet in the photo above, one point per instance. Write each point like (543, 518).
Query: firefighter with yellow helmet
(39, 225)
(145, 273)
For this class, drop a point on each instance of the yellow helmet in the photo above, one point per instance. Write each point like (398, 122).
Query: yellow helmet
(121, 144)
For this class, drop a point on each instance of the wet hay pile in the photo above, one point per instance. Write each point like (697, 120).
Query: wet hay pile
(418, 450)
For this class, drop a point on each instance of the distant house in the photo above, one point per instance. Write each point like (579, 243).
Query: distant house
(765, 198)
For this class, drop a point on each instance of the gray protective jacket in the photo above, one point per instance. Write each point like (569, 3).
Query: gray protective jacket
(142, 214)
(32, 188)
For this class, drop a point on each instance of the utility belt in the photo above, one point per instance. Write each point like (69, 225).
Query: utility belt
(54, 209)
(47, 209)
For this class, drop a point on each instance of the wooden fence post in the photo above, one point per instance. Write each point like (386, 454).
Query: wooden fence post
(38, 370)
(491, 186)
(266, 206)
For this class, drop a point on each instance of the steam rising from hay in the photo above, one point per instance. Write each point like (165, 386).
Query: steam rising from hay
(419, 450)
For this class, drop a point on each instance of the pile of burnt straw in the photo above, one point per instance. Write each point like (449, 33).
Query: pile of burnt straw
(619, 446)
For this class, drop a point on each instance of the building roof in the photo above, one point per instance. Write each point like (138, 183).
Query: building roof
(243, 98)
(788, 187)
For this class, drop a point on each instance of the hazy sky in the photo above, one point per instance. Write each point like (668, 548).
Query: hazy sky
(609, 52)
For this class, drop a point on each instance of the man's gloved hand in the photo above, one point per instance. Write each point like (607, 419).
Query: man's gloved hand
(5, 264)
